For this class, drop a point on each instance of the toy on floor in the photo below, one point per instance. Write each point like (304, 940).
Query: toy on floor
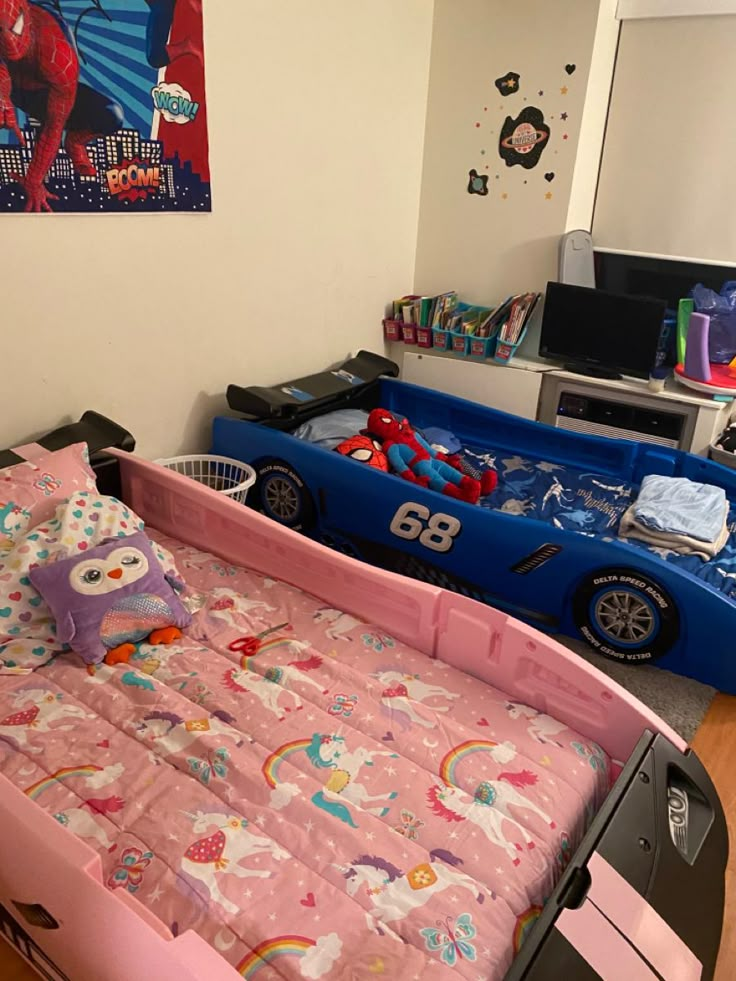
(109, 598)
(413, 458)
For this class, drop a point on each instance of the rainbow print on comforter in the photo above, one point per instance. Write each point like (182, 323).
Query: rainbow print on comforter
(314, 798)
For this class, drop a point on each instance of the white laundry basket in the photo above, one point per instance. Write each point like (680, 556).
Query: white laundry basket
(230, 477)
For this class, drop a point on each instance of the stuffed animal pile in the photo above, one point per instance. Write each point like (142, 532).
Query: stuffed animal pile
(390, 443)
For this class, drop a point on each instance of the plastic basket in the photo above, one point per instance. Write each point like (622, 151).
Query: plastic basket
(481, 347)
(392, 329)
(722, 456)
(441, 338)
(230, 477)
(459, 342)
(424, 336)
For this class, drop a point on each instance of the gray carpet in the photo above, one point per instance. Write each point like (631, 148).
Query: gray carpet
(681, 702)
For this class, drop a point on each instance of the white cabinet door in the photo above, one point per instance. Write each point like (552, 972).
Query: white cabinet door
(510, 389)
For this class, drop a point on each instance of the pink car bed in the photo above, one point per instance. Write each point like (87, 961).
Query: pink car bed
(336, 773)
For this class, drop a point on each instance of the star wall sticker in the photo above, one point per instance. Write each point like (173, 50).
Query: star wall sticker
(564, 90)
(563, 116)
(477, 183)
(508, 84)
(548, 196)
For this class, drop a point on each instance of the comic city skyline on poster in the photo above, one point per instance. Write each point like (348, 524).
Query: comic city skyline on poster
(102, 107)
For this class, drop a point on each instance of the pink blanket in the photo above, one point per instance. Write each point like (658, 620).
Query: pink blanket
(314, 798)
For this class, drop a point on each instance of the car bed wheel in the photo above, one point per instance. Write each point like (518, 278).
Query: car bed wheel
(626, 616)
(281, 494)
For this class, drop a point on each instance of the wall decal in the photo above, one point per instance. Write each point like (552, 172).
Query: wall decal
(126, 130)
(477, 183)
(523, 139)
(508, 83)
(564, 90)
(549, 177)
(570, 69)
(563, 116)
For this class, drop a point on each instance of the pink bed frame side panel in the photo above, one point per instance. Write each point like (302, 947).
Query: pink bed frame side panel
(494, 647)
(109, 936)
(102, 935)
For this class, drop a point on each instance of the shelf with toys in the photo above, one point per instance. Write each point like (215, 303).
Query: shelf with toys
(465, 330)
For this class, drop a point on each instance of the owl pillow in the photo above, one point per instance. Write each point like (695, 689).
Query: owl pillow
(27, 629)
(109, 598)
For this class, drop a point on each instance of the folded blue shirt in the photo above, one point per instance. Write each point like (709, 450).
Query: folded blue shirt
(678, 506)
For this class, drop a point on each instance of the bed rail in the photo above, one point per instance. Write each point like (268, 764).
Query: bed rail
(68, 924)
(484, 642)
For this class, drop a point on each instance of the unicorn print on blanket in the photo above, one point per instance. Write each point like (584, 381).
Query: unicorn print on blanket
(488, 809)
(331, 752)
(339, 624)
(541, 727)
(393, 893)
(13, 519)
(169, 733)
(39, 709)
(402, 692)
(82, 820)
(275, 682)
(221, 853)
(233, 609)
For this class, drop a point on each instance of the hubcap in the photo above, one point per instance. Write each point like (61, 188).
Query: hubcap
(282, 499)
(625, 617)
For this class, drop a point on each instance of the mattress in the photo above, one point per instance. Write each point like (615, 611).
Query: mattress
(314, 798)
(589, 503)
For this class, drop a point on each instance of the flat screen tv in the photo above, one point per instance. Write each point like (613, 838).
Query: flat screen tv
(601, 333)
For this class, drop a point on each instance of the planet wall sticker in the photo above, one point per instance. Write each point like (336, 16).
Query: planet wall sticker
(523, 140)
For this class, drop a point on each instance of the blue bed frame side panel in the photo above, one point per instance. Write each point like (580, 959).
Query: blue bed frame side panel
(358, 509)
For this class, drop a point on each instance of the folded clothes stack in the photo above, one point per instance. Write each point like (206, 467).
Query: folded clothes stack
(678, 514)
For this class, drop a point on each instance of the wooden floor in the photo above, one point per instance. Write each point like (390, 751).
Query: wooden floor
(715, 744)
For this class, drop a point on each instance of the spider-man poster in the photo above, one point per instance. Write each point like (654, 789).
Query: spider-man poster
(102, 106)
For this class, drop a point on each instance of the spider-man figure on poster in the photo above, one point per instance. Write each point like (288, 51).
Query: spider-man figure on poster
(39, 73)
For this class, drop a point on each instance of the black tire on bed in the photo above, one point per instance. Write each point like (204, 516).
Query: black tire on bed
(625, 615)
(281, 494)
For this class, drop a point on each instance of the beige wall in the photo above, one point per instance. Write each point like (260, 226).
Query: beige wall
(317, 115)
(488, 247)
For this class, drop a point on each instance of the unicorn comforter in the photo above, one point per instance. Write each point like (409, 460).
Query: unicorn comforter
(314, 798)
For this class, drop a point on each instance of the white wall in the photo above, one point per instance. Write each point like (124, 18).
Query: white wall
(488, 247)
(317, 115)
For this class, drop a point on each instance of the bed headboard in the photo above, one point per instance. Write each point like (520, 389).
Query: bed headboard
(99, 433)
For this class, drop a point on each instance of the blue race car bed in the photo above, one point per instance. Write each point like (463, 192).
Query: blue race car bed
(542, 546)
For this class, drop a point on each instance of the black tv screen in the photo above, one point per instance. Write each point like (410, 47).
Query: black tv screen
(591, 327)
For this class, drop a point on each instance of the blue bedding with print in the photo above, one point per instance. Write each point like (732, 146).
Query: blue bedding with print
(588, 503)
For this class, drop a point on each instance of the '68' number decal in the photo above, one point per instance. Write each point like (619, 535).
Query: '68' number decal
(435, 531)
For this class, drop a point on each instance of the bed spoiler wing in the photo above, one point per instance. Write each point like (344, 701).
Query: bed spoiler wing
(300, 399)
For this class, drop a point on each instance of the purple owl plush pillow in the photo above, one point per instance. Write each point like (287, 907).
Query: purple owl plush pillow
(110, 598)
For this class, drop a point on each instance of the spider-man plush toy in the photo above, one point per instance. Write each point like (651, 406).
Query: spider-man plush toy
(411, 456)
(39, 73)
